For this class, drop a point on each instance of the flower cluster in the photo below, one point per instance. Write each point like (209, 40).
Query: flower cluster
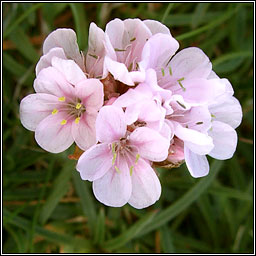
(130, 103)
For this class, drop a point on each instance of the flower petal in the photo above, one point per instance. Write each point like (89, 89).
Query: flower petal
(96, 51)
(114, 188)
(197, 165)
(158, 50)
(156, 27)
(150, 144)
(64, 38)
(110, 124)
(197, 142)
(51, 81)
(70, 70)
(146, 188)
(229, 112)
(52, 136)
(84, 132)
(190, 63)
(35, 107)
(90, 92)
(45, 60)
(224, 140)
(118, 70)
(201, 91)
(95, 162)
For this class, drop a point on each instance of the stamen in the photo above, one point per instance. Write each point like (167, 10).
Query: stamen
(183, 106)
(137, 158)
(62, 98)
(131, 169)
(78, 105)
(179, 81)
(212, 115)
(94, 56)
(55, 111)
(170, 70)
(113, 148)
(199, 122)
(133, 39)
(63, 122)
(77, 120)
(162, 71)
(114, 158)
(119, 50)
(117, 170)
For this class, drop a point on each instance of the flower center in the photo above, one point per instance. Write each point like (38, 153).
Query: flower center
(122, 149)
(73, 109)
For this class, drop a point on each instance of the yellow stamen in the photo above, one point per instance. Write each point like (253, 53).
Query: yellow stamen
(114, 159)
(77, 120)
(62, 98)
(78, 105)
(113, 148)
(63, 122)
(137, 158)
(131, 169)
(55, 111)
(117, 170)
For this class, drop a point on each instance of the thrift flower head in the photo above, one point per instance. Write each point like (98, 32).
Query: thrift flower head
(131, 103)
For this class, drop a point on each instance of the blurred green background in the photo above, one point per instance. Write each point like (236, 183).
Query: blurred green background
(47, 208)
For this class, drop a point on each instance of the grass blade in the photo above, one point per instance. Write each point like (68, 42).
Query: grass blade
(186, 200)
(81, 24)
(125, 237)
(60, 188)
(86, 200)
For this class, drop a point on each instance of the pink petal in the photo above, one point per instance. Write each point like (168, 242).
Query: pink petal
(224, 140)
(95, 162)
(35, 107)
(158, 50)
(156, 27)
(197, 142)
(190, 63)
(110, 124)
(45, 60)
(66, 39)
(118, 70)
(90, 92)
(70, 70)
(229, 112)
(150, 144)
(84, 132)
(146, 188)
(52, 136)
(201, 91)
(114, 188)
(197, 165)
(96, 51)
(51, 81)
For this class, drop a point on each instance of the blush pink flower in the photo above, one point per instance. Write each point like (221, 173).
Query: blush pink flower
(200, 94)
(62, 43)
(64, 107)
(120, 165)
(124, 44)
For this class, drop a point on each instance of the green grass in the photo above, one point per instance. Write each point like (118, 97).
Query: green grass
(47, 208)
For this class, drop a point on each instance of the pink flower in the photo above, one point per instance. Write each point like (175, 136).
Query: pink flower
(120, 165)
(124, 43)
(62, 43)
(64, 107)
